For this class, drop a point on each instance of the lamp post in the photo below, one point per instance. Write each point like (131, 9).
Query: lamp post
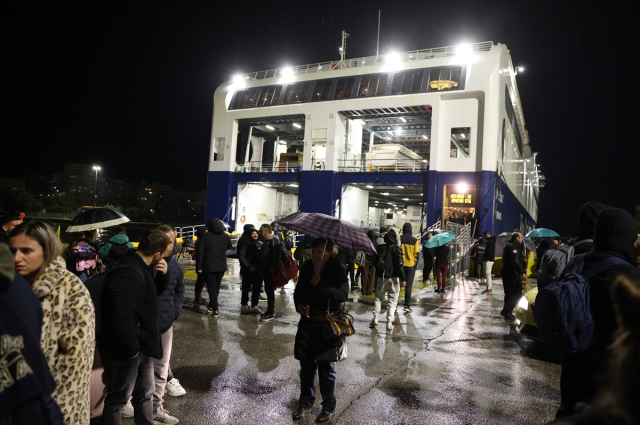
(95, 187)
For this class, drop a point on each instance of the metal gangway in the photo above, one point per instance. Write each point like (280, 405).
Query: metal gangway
(460, 248)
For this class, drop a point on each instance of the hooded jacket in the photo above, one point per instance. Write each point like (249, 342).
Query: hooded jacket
(442, 255)
(242, 246)
(586, 225)
(410, 246)
(544, 246)
(372, 236)
(331, 291)
(200, 232)
(171, 299)
(614, 235)
(212, 256)
(117, 239)
(391, 243)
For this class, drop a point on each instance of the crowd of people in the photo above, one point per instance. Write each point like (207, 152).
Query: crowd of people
(67, 313)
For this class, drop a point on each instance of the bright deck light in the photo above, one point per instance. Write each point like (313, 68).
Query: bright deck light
(462, 187)
(238, 78)
(401, 187)
(287, 72)
(369, 186)
(393, 58)
(296, 125)
(270, 128)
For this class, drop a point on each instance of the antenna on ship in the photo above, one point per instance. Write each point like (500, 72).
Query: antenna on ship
(343, 49)
(378, 42)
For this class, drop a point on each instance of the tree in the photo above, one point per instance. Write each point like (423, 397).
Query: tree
(14, 200)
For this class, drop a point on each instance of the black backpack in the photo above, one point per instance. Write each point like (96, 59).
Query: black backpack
(116, 253)
(384, 263)
(95, 285)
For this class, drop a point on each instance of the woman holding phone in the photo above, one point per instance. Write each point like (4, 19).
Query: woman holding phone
(322, 284)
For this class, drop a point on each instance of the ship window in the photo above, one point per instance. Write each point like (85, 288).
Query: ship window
(344, 88)
(416, 85)
(364, 86)
(303, 92)
(407, 82)
(382, 85)
(288, 94)
(443, 78)
(321, 90)
(276, 95)
(249, 96)
(237, 100)
(460, 145)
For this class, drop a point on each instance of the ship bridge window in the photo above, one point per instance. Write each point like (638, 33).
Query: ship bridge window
(321, 90)
(373, 85)
(407, 82)
(444, 78)
(296, 93)
(345, 88)
(269, 96)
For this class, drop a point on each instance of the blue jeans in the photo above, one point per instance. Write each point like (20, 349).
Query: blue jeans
(128, 378)
(327, 374)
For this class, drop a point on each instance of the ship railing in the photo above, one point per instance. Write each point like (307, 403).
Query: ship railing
(437, 52)
(378, 165)
(269, 167)
(460, 248)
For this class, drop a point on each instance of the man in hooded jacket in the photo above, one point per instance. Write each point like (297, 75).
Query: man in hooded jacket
(388, 283)
(410, 250)
(213, 260)
(586, 226)
(615, 233)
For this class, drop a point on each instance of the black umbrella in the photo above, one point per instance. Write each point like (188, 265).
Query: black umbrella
(96, 218)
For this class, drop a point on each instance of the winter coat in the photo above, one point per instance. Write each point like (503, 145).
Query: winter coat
(442, 255)
(269, 254)
(331, 291)
(212, 255)
(544, 246)
(250, 258)
(512, 258)
(68, 338)
(117, 239)
(241, 247)
(200, 232)
(171, 299)
(130, 310)
(391, 243)
(410, 246)
(615, 233)
(490, 249)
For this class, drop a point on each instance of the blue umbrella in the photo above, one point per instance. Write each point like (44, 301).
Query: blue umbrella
(439, 240)
(542, 233)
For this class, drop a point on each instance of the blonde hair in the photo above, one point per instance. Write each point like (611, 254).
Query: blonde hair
(42, 233)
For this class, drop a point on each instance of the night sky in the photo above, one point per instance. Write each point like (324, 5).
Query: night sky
(129, 86)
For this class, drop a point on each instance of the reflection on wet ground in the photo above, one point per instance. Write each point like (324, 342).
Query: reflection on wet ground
(453, 360)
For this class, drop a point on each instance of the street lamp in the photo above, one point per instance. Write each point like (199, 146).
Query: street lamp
(95, 187)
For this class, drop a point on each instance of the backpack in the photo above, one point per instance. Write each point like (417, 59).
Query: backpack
(563, 309)
(554, 261)
(95, 286)
(287, 270)
(384, 263)
(360, 258)
(116, 253)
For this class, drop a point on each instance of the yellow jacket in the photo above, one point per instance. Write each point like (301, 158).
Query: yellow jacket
(410, 253)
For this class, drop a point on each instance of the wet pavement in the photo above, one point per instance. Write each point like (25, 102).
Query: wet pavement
(453, 360)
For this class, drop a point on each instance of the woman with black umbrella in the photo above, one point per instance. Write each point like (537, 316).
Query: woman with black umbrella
(322, 285)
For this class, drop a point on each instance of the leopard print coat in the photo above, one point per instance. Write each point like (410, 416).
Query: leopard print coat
(68, 338)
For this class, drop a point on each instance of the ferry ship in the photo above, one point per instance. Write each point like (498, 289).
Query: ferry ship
(427, 136)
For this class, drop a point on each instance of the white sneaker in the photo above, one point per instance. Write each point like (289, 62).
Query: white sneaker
(245, 309)
(162, 417)
(175, 389)
(255, 310)
(389, 326)
(127, 410)
(374, 323)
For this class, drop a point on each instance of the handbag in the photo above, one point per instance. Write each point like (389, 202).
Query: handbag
(338, 325)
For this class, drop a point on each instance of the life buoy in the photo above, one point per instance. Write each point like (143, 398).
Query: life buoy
(243, 219)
